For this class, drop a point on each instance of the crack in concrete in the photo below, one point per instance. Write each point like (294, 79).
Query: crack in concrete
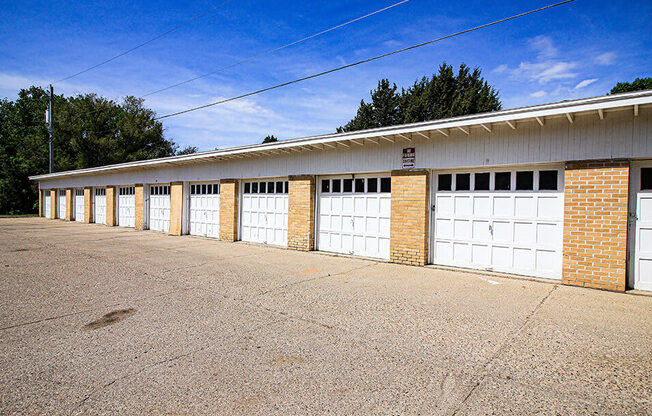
(51, 318)
(156, 364)
(502, 347)
(316, 278)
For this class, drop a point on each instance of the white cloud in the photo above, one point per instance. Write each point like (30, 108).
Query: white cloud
(500, 69)
(606, 58)
(538, 94)
(547, 71)
(544, 46)
(585, 83)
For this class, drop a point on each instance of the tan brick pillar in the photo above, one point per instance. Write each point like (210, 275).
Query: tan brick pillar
(409, 218)
(69, 205)
(139, 206)
(110, 206)
(40, 203)
(301, 213)
(595, 224)
(88, 205)
(176, 207)
(229, 209)
(54, 201)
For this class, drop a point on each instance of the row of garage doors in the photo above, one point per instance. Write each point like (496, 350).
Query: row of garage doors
(507, 220)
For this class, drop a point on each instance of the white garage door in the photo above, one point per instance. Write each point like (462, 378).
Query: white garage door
(159, 208)
(99, 206)
(47, 206)
(508, 220)
(62, 204)
(205, 209)
(126, 206)
(354, 215)
(79, 205)
(641, 189)
(265, 212)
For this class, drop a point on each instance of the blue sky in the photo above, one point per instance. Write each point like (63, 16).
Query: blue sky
(578, 50)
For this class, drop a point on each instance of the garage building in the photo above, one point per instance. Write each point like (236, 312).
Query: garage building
(559, 191)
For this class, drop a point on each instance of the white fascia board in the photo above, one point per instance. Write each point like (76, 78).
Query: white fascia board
(605, 102)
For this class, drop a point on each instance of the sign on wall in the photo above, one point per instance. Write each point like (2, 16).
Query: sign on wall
(408, 157)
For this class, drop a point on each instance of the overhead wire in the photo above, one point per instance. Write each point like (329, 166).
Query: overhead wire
(144, 43)
(260, 55)
(284, 84)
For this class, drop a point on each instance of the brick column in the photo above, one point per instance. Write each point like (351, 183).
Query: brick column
(301, 213)
(54, 199)
(110, 206)
(69, 205)
(176, 207)
(229, 209)
(139, 206)
(41, 208)
(409, 219)
(88, 205)
(595, 224)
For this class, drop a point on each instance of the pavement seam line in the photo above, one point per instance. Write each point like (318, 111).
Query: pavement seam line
(317, 278)
(491, 359)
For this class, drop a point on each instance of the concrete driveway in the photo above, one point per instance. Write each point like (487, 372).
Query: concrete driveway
(97, 320)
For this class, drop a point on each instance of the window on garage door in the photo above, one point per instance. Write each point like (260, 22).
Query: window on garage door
(354, 215)
(503, 219)
(265, 212)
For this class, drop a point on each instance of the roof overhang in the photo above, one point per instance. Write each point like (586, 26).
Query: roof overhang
(406, 132)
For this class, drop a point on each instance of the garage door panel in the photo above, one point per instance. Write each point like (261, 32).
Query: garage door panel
(497, 229)
(205, 209)
(481, 255)
(463, 205)
(525, 207)
(501, 257)
(482, 207)
(548, 208)
(503, 207)
(481, 230)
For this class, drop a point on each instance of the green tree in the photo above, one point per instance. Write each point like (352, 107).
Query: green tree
(445, 94)
(88, 131)
(270, 139)
(383, 110)
(637, 85)
(188, 150)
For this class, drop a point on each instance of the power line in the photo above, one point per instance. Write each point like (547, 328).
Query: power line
(145, 43)
(275, 49)
(363, 61)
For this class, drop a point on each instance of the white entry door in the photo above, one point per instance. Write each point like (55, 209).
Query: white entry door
(127, 206)
(159, 208)
(508, 220)
(205, 209)
(640, 226)
(79, 205)
(46, 203)
(265, 212)
(354, 215)
(62, 204)
(99, 206)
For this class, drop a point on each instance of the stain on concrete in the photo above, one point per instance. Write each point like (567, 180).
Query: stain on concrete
(110, 318)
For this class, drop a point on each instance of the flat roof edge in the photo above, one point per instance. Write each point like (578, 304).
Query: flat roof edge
(572, 106)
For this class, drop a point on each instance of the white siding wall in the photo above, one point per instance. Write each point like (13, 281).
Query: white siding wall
(619, 135)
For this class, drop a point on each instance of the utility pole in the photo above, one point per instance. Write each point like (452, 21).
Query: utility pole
(50, 121)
